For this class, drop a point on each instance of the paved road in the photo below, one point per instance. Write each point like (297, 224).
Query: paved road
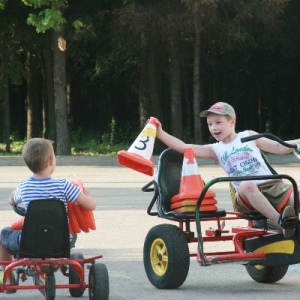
(122, 224)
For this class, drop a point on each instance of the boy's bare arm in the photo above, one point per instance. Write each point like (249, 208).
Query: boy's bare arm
(201, 151)
(11, 199)
(85, 200)
(271, 146)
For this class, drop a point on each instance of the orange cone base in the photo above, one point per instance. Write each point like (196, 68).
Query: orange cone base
(189, 209)
(191, 195)
(206, 205)
(135, 162)
(188, 202)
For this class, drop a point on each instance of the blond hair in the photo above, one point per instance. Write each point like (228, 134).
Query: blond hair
(36, 154)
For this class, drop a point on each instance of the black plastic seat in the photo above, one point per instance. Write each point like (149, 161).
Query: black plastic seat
(45, 232)
(167, 183)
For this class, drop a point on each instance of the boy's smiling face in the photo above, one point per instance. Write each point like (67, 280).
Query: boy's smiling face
(221, 127)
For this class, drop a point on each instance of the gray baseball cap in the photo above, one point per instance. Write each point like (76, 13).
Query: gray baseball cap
(220, 108)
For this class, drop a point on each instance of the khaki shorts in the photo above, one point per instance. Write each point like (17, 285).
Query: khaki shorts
(276, 191)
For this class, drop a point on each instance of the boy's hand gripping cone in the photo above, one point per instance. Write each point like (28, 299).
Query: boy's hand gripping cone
(138, 157)
(191, 186)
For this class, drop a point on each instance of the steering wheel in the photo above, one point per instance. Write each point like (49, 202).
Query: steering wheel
(20, 210)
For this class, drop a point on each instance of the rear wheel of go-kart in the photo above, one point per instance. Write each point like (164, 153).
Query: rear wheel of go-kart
(265, 274)
(50, 291)
(166, 256)
(74, 278)
(98, 282)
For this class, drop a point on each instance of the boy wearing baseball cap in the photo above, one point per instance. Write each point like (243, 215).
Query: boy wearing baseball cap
(272, 198)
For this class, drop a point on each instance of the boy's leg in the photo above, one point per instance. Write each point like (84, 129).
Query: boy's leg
(9, 239)
(253, 197)
(291, 199)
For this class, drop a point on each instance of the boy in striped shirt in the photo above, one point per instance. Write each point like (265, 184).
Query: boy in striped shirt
(38, 154)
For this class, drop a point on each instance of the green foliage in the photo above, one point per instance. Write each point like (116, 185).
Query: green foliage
(46, 19)
(109, 143)
(40, 3)
(3, 3)
(93, 144)
(77, 24)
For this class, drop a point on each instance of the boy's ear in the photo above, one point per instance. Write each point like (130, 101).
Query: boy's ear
(233, 121)
(50, 161)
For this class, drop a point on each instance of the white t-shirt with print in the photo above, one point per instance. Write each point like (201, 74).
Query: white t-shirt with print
(241, 159)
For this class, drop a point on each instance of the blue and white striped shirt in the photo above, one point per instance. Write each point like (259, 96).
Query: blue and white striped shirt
(45, 188)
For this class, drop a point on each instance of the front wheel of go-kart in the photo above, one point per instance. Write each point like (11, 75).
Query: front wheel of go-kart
(166, 256)
(99, 282)
(74, 278)
(265, 274)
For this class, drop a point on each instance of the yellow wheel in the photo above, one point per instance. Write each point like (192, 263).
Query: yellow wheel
(159, 257)
(166, 256)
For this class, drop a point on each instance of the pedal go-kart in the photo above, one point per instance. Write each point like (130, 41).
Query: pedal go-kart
(264, 251)
(45, 249)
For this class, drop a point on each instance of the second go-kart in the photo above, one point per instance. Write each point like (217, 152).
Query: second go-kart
(45, 249)
(264, 251)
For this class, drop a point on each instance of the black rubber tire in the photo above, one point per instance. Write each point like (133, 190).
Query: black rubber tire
(98, 282)
(74, 278)
(264, 274)
(50, 291)
(166, 256)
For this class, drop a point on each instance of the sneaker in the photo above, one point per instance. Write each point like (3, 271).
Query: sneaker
(13, 282)
(288, 221)
(39, 280)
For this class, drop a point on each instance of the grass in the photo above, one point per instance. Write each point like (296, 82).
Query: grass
(88, 148)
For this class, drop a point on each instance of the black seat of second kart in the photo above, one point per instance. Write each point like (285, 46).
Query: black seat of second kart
(167, 179)
(45, 232)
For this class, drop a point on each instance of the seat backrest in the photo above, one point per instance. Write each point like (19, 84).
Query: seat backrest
(45, 232)
(268, 164)
(168, 177)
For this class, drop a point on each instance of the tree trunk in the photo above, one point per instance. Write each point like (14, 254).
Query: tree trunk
(143, 86)
(63, 139)
(153, 77)
(49, 107)
(34, 123)
(175, 84)
(197, 101)
(7, 129)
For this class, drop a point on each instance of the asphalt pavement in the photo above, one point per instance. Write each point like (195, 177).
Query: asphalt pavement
(122, 225)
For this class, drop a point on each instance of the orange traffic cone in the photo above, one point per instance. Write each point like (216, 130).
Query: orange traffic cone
(138, 157)
(191, 186)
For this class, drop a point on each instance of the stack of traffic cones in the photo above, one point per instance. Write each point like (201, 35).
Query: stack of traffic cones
(138, 157)
(80, 219)
(191, 186)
